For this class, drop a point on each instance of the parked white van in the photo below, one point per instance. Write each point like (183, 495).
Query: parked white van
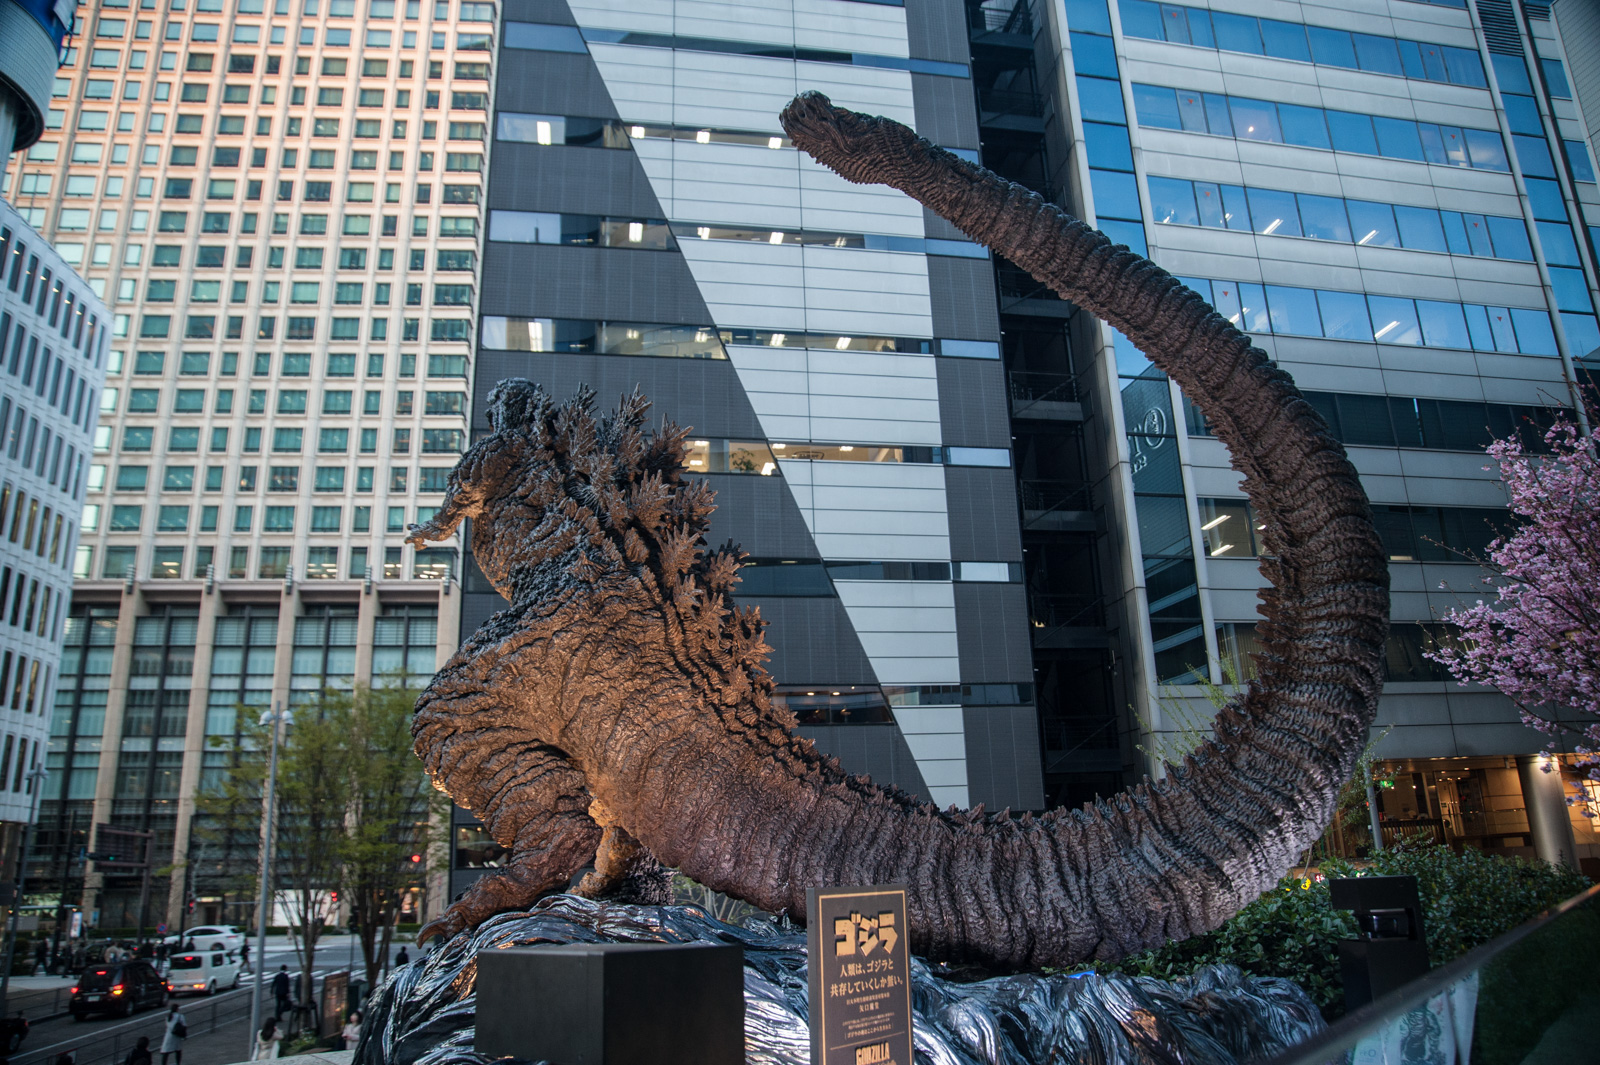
(202, 971)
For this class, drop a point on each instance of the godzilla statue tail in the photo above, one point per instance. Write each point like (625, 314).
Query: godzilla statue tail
(1178, 857)
(620, 703)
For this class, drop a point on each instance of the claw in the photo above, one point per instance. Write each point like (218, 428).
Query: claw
(445, 926)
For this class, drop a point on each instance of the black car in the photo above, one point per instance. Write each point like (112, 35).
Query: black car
(117, 989)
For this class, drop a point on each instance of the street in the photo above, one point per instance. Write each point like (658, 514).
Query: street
(217, 1024)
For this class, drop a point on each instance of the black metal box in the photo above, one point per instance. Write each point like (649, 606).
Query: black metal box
(613, 1004)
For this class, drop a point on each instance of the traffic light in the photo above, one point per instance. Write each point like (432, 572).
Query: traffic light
(333, 896)
(416, 858)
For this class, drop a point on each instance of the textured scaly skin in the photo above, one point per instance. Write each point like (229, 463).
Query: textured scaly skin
(621, 700)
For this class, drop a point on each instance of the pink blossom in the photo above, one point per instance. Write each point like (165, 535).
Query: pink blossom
(1538, 642)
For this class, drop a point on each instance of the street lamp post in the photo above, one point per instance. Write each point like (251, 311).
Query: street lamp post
(36, 778)
(268, 811)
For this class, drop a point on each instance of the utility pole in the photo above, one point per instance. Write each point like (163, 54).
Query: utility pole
(35, 778)
(268, 810)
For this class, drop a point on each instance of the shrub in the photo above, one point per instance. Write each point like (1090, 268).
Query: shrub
(1292, 931)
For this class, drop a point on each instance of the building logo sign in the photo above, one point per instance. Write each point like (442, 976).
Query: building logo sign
(860, 976)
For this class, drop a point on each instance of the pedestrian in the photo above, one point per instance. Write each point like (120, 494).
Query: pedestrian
(401, 958)
(244, 957)
(350, 1034)
(280, 992)
(140, 1054)
(177, 1032)
(267, 1041)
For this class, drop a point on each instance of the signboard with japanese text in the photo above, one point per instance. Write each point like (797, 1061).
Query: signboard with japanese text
(860, 975)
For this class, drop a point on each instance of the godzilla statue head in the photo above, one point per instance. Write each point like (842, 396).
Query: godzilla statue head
(618, 711)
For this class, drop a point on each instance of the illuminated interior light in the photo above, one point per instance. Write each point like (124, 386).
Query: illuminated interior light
(779, 447)
(702, 443)
(1213, 523)
(1220, 550)
(1379, 334)
(847, 447)
(774, 142)
(637, 131)
(767, 468)
(703, 137)
(1368, 237)
(703, 232)
(1252, 129)
(696, 462)
(1276, 222)
(635, 232)
(541, 132)
(842, 343)
(776, 238)
(778, 339)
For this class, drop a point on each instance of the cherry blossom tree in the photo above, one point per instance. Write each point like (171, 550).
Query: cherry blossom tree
(1538, 642)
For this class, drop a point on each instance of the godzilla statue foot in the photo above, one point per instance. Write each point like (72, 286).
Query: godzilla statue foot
(625, 872)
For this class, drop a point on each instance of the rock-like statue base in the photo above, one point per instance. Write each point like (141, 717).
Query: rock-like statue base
(1219, 1016)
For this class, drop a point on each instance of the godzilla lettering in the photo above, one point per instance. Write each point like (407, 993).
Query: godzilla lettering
(618, 712)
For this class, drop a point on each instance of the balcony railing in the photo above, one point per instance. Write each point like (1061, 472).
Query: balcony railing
(1043, 388)
(994, 18)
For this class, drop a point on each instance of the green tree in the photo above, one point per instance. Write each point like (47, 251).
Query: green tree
(395, 817)
(353, 809)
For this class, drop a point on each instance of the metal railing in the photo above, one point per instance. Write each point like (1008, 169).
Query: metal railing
(111, 1048)
(1017, 284)
(1043, 497)
(1017, 19)
(1413, 829)
(1065, 611)
(1010, 102)
(1028, 387)
(1492, 962)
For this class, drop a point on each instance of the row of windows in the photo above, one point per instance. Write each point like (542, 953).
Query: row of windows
(1437, 424)
(1229, 528)
(185, 439)
(244, 63)
(133, 478)
(543, 37)
(290, 401)
(692, 342)
(174, 518)
(1337, 315)
(199, 92)
(1175, 201)
(23, 682)
(1308, 44)
(28, 605)
(1405, 660)
(1315, 127)
(537, 227)
(345, 293)
(63, 309)
(773, 577)
(215, 257)
(32, 446)
(34, 526)
(116, 29)
(470, 10)
(39, 370)
(204, 327)
(76, 219)
(272, 563)
(293, 364)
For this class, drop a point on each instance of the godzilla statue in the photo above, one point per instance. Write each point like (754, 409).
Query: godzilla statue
(617, 712)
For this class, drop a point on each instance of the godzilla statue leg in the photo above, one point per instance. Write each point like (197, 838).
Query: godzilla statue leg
(535, 804)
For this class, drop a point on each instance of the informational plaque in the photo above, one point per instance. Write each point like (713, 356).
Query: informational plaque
(860, 971)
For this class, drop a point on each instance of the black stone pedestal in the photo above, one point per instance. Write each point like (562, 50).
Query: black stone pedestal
(613, 1004)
